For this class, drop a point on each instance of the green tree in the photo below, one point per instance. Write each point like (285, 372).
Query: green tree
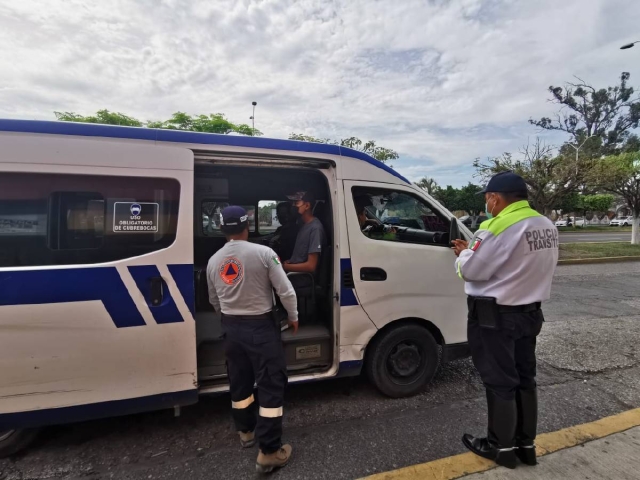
(428, 184)
(212, 123)
(620, 175)
(104, 117)
(449, 197)
(265, 213)
(469, 200)
(381, 154)
(549, 177)
(606, 113)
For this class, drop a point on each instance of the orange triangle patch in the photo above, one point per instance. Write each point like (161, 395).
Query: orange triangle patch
(231, 271)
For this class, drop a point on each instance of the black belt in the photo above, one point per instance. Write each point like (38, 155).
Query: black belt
(264, 316)
(531, 307)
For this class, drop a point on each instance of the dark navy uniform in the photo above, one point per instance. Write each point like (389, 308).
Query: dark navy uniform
(242, 277)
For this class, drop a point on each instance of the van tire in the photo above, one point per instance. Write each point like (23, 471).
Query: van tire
(13, 441)
(403, 361)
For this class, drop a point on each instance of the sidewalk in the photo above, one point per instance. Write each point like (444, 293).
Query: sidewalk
(608, 448)
(613, 457)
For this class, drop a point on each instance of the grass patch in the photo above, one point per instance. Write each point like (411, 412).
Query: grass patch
(569, 251)
(595, 228)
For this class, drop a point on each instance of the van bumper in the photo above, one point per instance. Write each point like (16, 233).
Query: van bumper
(455, 351)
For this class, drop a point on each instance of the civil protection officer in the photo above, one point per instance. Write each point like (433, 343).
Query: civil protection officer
(242, 277)
(508, 268)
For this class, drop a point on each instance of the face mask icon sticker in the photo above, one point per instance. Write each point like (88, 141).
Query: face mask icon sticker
(135, 209)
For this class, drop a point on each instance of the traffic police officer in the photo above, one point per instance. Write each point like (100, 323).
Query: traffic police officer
(242, 277)
(508, 268)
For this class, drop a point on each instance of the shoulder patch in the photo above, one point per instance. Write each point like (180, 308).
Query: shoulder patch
(231, 271)
(475, 244)
(276, 259)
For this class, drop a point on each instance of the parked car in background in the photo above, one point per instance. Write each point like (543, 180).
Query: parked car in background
(621, 222)
(473, 221)
(568, 222)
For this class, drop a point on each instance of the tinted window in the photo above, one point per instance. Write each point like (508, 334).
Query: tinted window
(400, 216)
(49, 219)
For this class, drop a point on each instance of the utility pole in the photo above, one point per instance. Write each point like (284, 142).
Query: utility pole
(253, 119)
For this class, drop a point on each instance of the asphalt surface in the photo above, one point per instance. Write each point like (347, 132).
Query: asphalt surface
(570, 237)
(589, 367)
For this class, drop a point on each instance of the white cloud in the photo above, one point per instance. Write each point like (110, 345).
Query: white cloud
(442, 82)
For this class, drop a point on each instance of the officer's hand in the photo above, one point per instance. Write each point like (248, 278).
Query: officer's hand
(458, 246)
(293, 325)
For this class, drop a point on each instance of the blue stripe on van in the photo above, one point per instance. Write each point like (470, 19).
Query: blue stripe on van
(183, 275)
(347, 295)
(167, 311)
(78, 413)
(36, 287)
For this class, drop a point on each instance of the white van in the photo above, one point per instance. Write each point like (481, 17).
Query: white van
(105, 233)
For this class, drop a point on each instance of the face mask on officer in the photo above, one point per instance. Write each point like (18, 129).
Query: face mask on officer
(489, 210)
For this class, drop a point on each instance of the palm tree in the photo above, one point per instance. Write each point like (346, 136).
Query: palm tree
(428, 184)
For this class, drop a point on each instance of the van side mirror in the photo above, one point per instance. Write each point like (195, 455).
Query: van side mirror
(454, 230)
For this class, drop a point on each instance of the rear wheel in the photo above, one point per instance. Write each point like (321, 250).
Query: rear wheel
(403, 361)
(12, 441)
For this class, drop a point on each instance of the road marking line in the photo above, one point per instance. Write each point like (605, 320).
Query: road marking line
(467, 463)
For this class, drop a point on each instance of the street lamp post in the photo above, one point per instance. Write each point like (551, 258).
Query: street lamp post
(253, 118)
(577, 149)
(628, 45)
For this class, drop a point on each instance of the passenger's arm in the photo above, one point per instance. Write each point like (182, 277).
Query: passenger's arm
(307, 267)
(282, 286)
(213, 295)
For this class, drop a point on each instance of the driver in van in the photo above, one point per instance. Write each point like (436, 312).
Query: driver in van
(311, 238)
(242, 277)
(371, 228)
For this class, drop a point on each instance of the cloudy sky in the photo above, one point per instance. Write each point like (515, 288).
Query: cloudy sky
(441, 82)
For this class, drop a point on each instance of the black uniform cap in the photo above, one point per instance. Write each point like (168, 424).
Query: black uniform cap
(505, 182)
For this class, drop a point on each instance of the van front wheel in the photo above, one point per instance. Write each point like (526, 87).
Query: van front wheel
(403, 361)
(12, 441)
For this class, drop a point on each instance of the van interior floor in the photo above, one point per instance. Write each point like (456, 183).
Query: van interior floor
(309, 350)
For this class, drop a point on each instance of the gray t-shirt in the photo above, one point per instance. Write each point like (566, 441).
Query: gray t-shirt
(310, 239)
(241, 276)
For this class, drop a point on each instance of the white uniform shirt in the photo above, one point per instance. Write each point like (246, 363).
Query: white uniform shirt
(512, 257)
(241, 276)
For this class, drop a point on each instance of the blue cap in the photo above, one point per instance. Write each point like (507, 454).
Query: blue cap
(233, 215)
(504, 182)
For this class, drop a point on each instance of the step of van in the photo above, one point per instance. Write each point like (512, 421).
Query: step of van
(310, 348)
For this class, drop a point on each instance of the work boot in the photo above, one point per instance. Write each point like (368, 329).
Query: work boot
(527, 403)
(248, 439)
(267, 463)
(498, 444)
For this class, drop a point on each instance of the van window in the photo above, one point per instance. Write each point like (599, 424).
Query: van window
(390, 211)
(267, 217)
(211, 211)
(54, 219)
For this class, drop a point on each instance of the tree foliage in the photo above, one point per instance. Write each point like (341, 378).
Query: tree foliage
(381, 154)
(212, 123)
(549, 177)
(620, 175)
(104, 117)
(606, 113)
(428, 184)
(465, 198)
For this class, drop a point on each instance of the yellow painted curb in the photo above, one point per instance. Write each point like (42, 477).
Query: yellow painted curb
(468, 463)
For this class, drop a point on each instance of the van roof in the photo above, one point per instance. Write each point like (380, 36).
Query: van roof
(181, 136)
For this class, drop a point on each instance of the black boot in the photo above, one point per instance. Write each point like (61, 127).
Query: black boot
(498, 445)
(527, 403)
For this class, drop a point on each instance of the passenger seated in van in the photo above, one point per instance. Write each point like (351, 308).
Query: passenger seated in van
(311, 238)
(284, 238)
(371, 228)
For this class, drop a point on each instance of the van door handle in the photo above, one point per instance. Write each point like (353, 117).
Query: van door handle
(156, 291)
(372, 274)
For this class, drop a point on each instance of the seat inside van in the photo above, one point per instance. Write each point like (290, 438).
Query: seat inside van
(259, 190)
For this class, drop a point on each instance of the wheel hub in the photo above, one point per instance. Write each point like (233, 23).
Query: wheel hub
(405, 360)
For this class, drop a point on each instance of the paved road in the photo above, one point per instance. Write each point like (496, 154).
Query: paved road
(589, 368)
(570, 237)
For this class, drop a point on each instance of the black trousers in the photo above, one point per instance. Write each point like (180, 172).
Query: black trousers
(255, 355)
(506, 360)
